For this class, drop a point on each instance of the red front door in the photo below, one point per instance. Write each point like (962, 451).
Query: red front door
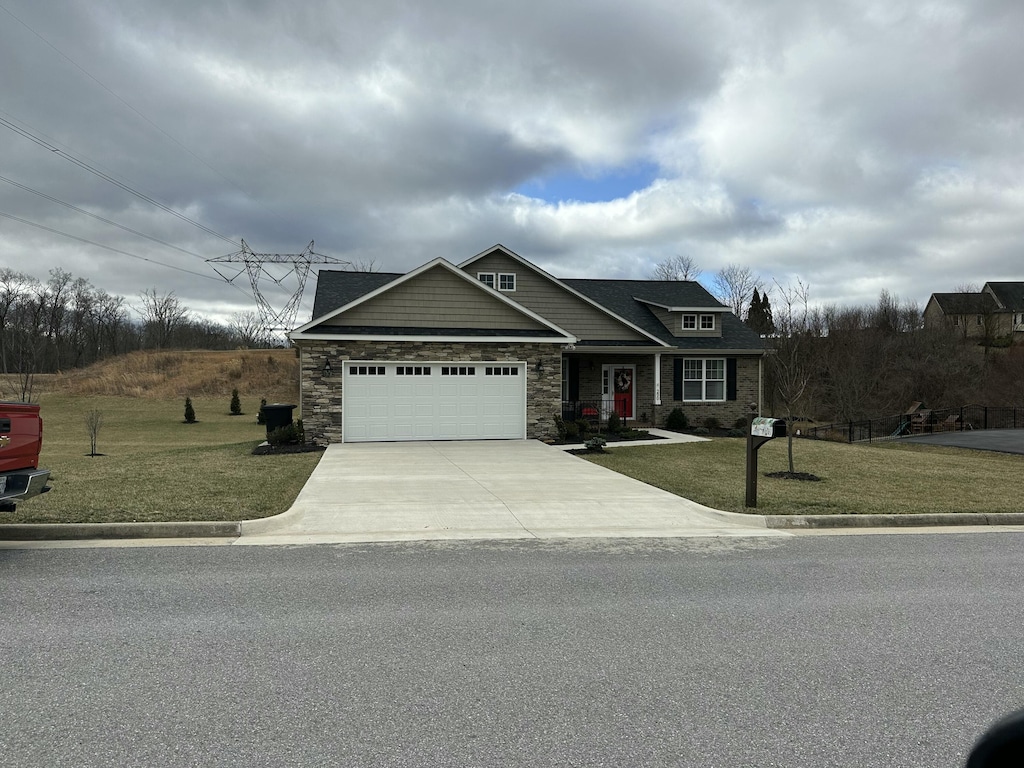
(622, 384)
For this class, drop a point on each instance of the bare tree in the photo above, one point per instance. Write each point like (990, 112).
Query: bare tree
(790, 362)
(733, 285)
(676, 267)
(364, 265)
(93, 422)
(250, 329)
(161, 317)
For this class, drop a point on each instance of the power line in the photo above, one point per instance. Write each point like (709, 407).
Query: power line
(105, 247)
(97, 217)
(108, 178)
(113, 93)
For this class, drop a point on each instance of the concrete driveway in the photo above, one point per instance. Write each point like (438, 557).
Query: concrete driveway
(493, 489)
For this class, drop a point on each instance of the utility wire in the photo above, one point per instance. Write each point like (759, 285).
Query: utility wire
(97, 217)
(151, 123)
(107, 177)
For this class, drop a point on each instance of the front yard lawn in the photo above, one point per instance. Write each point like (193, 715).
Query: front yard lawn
(856, 479)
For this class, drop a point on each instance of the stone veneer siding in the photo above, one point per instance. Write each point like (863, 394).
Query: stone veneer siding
(726, 412)
(322, 400)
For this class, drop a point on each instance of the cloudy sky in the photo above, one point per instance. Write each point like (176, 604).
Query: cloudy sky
(855, 146)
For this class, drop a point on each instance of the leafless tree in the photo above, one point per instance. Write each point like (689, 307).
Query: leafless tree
(733, 285)
(161, 317)
(93, 422)
(250, 329)
(676, 267)
(364, 265)
(790, 361)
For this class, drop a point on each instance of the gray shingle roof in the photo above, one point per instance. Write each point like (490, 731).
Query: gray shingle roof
(335, 288)
(1010, 295)
(965, 303)
(620, 296)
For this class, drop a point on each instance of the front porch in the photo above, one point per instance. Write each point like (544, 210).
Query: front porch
(642, 389)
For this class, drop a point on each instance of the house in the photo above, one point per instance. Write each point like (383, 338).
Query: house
(497, 348)
(996, 311)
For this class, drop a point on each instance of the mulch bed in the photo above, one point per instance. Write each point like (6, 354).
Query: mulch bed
(264, 449)
(806, 476)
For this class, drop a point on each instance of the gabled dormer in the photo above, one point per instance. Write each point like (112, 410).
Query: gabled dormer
(689, 321)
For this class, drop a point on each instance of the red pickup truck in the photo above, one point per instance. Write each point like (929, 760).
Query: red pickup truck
(21, 438)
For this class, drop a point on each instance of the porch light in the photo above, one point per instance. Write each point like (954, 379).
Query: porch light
(327, 368)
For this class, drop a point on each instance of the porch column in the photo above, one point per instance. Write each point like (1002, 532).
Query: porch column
(657, 378)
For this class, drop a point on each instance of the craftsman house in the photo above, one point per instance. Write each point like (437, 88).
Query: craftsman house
(994, 312)
(496, 348)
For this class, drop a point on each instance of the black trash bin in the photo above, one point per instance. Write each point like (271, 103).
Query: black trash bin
(277, 415)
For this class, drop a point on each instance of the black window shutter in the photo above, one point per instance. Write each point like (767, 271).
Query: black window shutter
(574, 378)
(677, 378)
(730, 378)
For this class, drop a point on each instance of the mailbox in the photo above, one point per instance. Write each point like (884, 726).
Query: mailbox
(766, 427)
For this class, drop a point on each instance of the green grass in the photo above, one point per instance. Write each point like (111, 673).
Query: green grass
(856, 479)
(155, 468)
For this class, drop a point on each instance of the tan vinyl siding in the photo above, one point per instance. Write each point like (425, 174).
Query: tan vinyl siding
(554, 303)
(673, 321)
(436, 299)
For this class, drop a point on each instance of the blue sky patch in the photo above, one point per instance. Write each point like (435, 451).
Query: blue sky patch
(592, 187)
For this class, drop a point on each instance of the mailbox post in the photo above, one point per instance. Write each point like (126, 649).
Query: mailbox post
(762, 430)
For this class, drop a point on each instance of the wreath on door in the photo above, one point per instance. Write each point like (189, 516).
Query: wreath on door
(623, 380)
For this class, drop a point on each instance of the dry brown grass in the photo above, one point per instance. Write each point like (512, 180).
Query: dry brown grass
(176, 374)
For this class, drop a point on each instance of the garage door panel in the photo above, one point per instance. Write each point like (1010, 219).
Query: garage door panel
(422, 403)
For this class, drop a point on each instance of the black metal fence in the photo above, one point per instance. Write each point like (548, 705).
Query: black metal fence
(922, 422)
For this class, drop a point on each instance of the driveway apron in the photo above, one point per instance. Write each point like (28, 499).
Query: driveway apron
(495, 489)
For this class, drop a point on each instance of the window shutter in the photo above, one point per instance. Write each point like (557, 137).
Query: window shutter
(677, 378)
(574, 378)
(730, 378)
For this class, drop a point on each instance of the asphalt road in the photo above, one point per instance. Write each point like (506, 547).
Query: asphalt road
(1001, 440)
(882, 650)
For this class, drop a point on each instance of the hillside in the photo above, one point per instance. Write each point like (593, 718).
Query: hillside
(269, 373)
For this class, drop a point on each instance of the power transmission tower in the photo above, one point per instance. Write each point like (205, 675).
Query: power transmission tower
(280, 268)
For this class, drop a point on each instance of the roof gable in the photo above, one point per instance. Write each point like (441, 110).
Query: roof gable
(1009, 296)
(435, 300)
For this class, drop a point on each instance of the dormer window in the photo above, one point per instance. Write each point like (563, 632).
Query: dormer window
(506, 281)
(707, 322)
(689, 322)
(487, 278)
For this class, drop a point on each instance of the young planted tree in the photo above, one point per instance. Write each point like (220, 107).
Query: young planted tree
(790, 363)
(236, 404)
(190, 414)
(93, 422)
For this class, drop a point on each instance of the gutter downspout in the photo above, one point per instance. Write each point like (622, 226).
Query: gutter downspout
(657, 378)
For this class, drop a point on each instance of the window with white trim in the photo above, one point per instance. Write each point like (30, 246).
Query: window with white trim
(487, 278)
(704, 379)
(689, 322)
(366, 370)
(707, 322)
(506, 281)
(458, 370)
(502, 370)
(413, 370)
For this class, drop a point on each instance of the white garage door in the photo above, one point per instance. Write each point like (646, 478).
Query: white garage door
(433, 401)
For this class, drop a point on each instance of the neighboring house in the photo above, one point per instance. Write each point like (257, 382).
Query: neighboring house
(496, 348)
(996, 311)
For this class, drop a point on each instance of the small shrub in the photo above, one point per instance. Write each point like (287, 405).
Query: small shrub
(676, 420)
(190, 413)
(596, 443)
(560, 427)
(286, 435)
(572, 431)
(300, 432)
(583, 426)
(261, 417)
(702, 431)
(614, 423)
(236, 404)
(712, 423)
(740, 423)
(737, 433)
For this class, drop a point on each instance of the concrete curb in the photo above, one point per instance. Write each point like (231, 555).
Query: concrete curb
(77, 531)
(892, 521)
